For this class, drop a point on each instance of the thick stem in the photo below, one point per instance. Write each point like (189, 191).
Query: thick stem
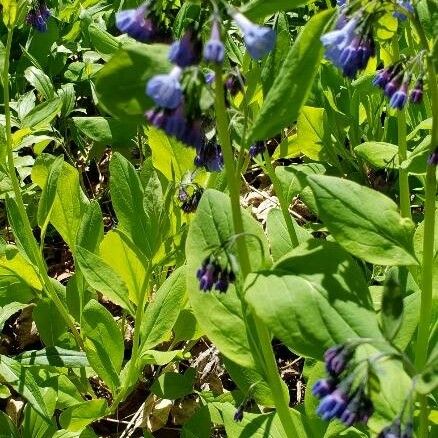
(403, 174)
(423, 334)
(264, 339)
(281, 199)
(37, 257)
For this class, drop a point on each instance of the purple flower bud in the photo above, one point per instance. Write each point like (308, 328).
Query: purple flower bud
(165, 90)
(416, 95)
(38, 16)
(259, 40)
(134, 23)
(433, 158)
(186, 51)
(256, 149)
(208, 276)
(209, 77)
(222, 282)
(336, 359)
(392, 86)
(238, 415)
(233, 85)
(191, 203)
(399, 98)
(214, 50)
(156, 117)
(176, 123)
(381, 78)
(210, 156)
(323, 387)
(332, 405)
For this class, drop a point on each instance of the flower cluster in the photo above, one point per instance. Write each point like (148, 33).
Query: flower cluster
(135, 23)
(209, 156)
(396, 430)
(395, 81)
(190, 201)
(339, 397)
(350, 45)
(256, 149)
(212, 274)
(186, 52)
(38, 16)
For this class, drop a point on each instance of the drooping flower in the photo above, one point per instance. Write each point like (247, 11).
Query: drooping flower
(259, 40)
(400, 97)
(186, 51)
(416, 95)
(238, 415)
(214, 50)
(336, 359)
(210, 157)
(256, 149)
(323, 387)
(38, 16)
(213, 274)
(189, 203)
(332, 405)
(233, 85)
(134, 23)
(165, 89)
(406, 4)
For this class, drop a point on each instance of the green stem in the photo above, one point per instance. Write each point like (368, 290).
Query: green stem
(422, 344)
(284, 205)
(403, 174)
(37, 256)
(264, 339)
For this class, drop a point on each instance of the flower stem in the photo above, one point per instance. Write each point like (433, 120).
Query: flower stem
(264, 338)
(422, 344)
(281, 199)
(37, 257)
(403, 174)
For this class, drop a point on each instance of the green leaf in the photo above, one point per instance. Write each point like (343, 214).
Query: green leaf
(53, 356)
(68, 96)
(8, 427)
(221, 315)
(41, 116)
(81, 415)
(292, 85)
(48, 194)
(162, 313)
(103, 342)
(317, 298)
(102, 41)
(155, 357)
(121, 83)
(127, 197)
(392, 302)
(124, 258)
(278, 234)
(20, 378)
(8, 310)
(38, 79)
(174, 385)
(256, 9)
(90, 232)
(106, 130)
(379, 154)
(186, 327)
(364, 221)
(102, 277)
(169, 156)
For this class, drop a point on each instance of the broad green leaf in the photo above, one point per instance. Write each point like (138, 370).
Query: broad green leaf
(155, 357)
(20, 378)
(278, 234)
(9, 309)
(162, 313)
(121, 83)
(90, 232)
(106, 130)
(9, 12)
(365, 222)
(70, 202)
(174, 385)
(48, 194)
(124, 258)
(103, 342)
(256, 9)
(103, 42)
(8, 427)
(38, 79)
(41, 116)
(392, 302)
(292, 85)
(379, 154)
(68, 96)
(81, 415)
(169, 156)
(317, 298)
(221, 315)
(103, 278)
(186, 327)
(53, 356)
(127, 197)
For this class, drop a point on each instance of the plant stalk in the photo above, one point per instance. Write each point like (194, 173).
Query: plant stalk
(270, 366)
(37, 256)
